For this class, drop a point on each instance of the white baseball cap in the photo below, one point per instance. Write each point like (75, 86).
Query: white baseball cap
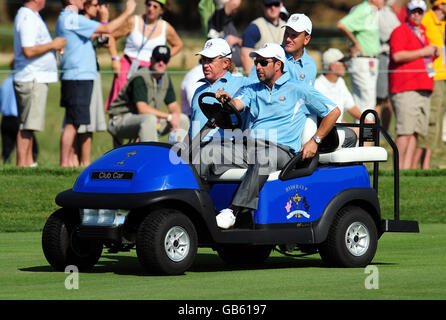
(299, 22)
(330, 56)
(216, 48)
(415, 4)
(270, 50)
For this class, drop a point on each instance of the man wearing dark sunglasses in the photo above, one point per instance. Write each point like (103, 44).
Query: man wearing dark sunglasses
(136, 113)
(267, 28)
(277, 109)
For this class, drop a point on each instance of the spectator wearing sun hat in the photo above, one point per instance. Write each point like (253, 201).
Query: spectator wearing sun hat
(216, 61)
(331, 84)
(411, 81)
(277, 114)
(267, 28)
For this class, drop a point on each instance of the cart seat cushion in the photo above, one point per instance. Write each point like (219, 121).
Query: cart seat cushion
(340, 156)
(357, 154)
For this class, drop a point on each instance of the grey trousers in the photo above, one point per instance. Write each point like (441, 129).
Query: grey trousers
(259, 157)
(145, 127)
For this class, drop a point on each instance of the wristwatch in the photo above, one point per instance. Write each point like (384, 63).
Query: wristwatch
(317, 139)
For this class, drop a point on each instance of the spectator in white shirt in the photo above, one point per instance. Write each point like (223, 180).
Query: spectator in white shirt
(331, 84)
(35, 67)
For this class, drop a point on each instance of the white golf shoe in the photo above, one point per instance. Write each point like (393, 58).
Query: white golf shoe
(225, 219)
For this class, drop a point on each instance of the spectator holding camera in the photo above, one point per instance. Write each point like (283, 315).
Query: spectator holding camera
(79, 69)
(83, 141)
(144, 33)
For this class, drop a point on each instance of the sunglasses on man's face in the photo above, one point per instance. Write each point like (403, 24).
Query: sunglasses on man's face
(263, 62)
(165, 60)
(274, 4)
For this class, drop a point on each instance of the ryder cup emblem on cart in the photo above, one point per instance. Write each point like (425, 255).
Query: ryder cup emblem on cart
(297, 205)
(129, 154)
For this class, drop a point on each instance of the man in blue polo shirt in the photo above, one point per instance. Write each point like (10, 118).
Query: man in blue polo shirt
(277, 114)
(217, 65)
(79, 69)
(300, 66)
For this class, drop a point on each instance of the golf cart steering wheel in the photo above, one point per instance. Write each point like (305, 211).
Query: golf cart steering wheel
(223, 115)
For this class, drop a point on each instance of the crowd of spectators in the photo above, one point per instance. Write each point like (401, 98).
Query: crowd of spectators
(396, 63)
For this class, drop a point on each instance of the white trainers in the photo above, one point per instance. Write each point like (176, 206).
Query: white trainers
(225, 219)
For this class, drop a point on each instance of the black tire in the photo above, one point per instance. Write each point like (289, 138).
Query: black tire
(244, 254)
(62, 248)
(157, 246)
(352, 239)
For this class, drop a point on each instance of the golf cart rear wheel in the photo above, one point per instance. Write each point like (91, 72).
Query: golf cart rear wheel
(244, 254)
(352, 239)
(166, 242)
(62, 247)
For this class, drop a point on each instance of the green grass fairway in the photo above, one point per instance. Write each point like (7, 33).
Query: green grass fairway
(410, 266)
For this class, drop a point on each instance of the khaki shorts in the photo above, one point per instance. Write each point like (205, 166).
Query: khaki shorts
(411, 111)
(31, 104)
(433, 139)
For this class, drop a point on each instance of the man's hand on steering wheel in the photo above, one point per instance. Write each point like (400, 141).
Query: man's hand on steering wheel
(222, 96)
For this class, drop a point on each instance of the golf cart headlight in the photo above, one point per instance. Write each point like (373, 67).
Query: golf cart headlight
(103, 217)
(121, 215)
(89, 216)
(106, 217)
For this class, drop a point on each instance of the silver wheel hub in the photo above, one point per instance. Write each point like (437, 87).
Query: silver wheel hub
(177, 244)
(357, 239)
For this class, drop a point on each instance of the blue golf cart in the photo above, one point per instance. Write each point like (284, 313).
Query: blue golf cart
(150, 197)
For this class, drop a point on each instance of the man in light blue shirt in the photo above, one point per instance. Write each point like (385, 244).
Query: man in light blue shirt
(216, 63)
(298, 64)
(277, 110)
(79, 69)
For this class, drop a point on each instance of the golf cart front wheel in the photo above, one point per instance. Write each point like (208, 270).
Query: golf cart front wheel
(62, 247)
(352, 239)
(166, 242)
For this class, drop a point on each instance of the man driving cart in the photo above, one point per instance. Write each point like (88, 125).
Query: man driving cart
(278, 110)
